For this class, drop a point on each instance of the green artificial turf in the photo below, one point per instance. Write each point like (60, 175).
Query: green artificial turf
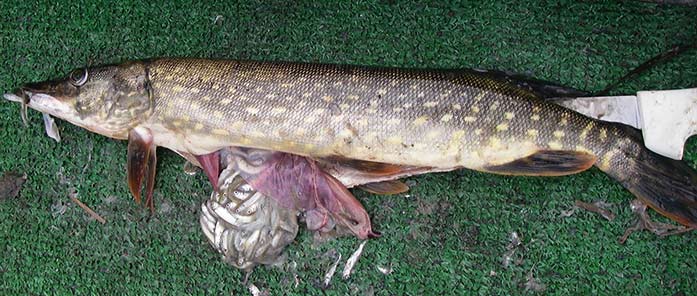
(447, 236)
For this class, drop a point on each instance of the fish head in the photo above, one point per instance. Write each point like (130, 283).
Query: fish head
(109, 100)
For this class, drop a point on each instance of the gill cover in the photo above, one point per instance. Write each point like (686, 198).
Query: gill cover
(117, 97)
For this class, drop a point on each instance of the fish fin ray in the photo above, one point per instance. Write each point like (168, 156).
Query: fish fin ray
(386, 187)
(140, 147)
(546, 163)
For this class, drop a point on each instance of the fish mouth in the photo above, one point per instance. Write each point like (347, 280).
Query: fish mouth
(41, 102)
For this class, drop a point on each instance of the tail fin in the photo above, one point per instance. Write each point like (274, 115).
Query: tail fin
(668, 186)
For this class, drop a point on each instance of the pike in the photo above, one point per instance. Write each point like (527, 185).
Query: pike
(384, 123)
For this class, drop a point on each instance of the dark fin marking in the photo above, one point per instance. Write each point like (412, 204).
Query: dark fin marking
(386, 187)
(369, 167)
(150, 187)
(211, 166)
(546, 163)
(140, 148)
(541, 88)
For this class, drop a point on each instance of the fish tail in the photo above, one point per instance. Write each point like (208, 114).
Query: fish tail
(668, 186)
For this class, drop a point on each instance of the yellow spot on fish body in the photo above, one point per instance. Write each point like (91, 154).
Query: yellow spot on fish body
(310, 119)
(470, 119)
(252, 110)
(603, 133)
(421, 120)
(456, 139)
(532, 132)
(494, 106)
(554, 145)
(394, 140)
(186, 117)
(177, 123)
(563, 122)
(398, 109)
(536, 109)
(220, 132)
(362, 122)
(509, 115)
(478, 131)
(194, 90)
(494, 143)
(218, 114)
(309, 146)
(605, 163)
(344, 106)
(430, 104)
(327, 98)
(198, 126)
(535, 117)
(177, 88)
(479, 96)
(206, 98)
(353, 97)
(307, 94)
(588, 128)
(583, 149)
(408, 105)
(225, 101)
(446, 117)
(393, 121)
(278, 110)
(502, 127)
(286, 85)
(457, 106)
(300, 132)
(382, 92)
(558, 134)
(475, 109)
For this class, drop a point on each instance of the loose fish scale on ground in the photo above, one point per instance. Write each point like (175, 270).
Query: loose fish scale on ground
(443, 118)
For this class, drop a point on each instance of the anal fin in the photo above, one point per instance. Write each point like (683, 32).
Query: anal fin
(546, 163)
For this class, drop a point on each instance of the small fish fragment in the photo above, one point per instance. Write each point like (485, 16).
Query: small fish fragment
(511, 249)
(10, 184)
(533, 284)
(51, 127)
(330, 273)
(351, 262)
(643, 222)
(386, 270)
(598, 207)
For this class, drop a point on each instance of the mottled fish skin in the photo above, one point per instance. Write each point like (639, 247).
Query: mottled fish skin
(436, 118)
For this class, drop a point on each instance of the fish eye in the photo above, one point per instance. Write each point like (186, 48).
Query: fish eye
(78, 77)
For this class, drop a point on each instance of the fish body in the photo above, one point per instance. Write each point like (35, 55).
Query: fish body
(437, 119)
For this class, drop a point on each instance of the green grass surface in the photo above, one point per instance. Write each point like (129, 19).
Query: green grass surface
(447, 236)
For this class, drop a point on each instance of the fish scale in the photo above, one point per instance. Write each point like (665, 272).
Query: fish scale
(409, 117)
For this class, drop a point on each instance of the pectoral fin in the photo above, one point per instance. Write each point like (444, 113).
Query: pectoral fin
(546, 163)
(386, 187)
(141, 156)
